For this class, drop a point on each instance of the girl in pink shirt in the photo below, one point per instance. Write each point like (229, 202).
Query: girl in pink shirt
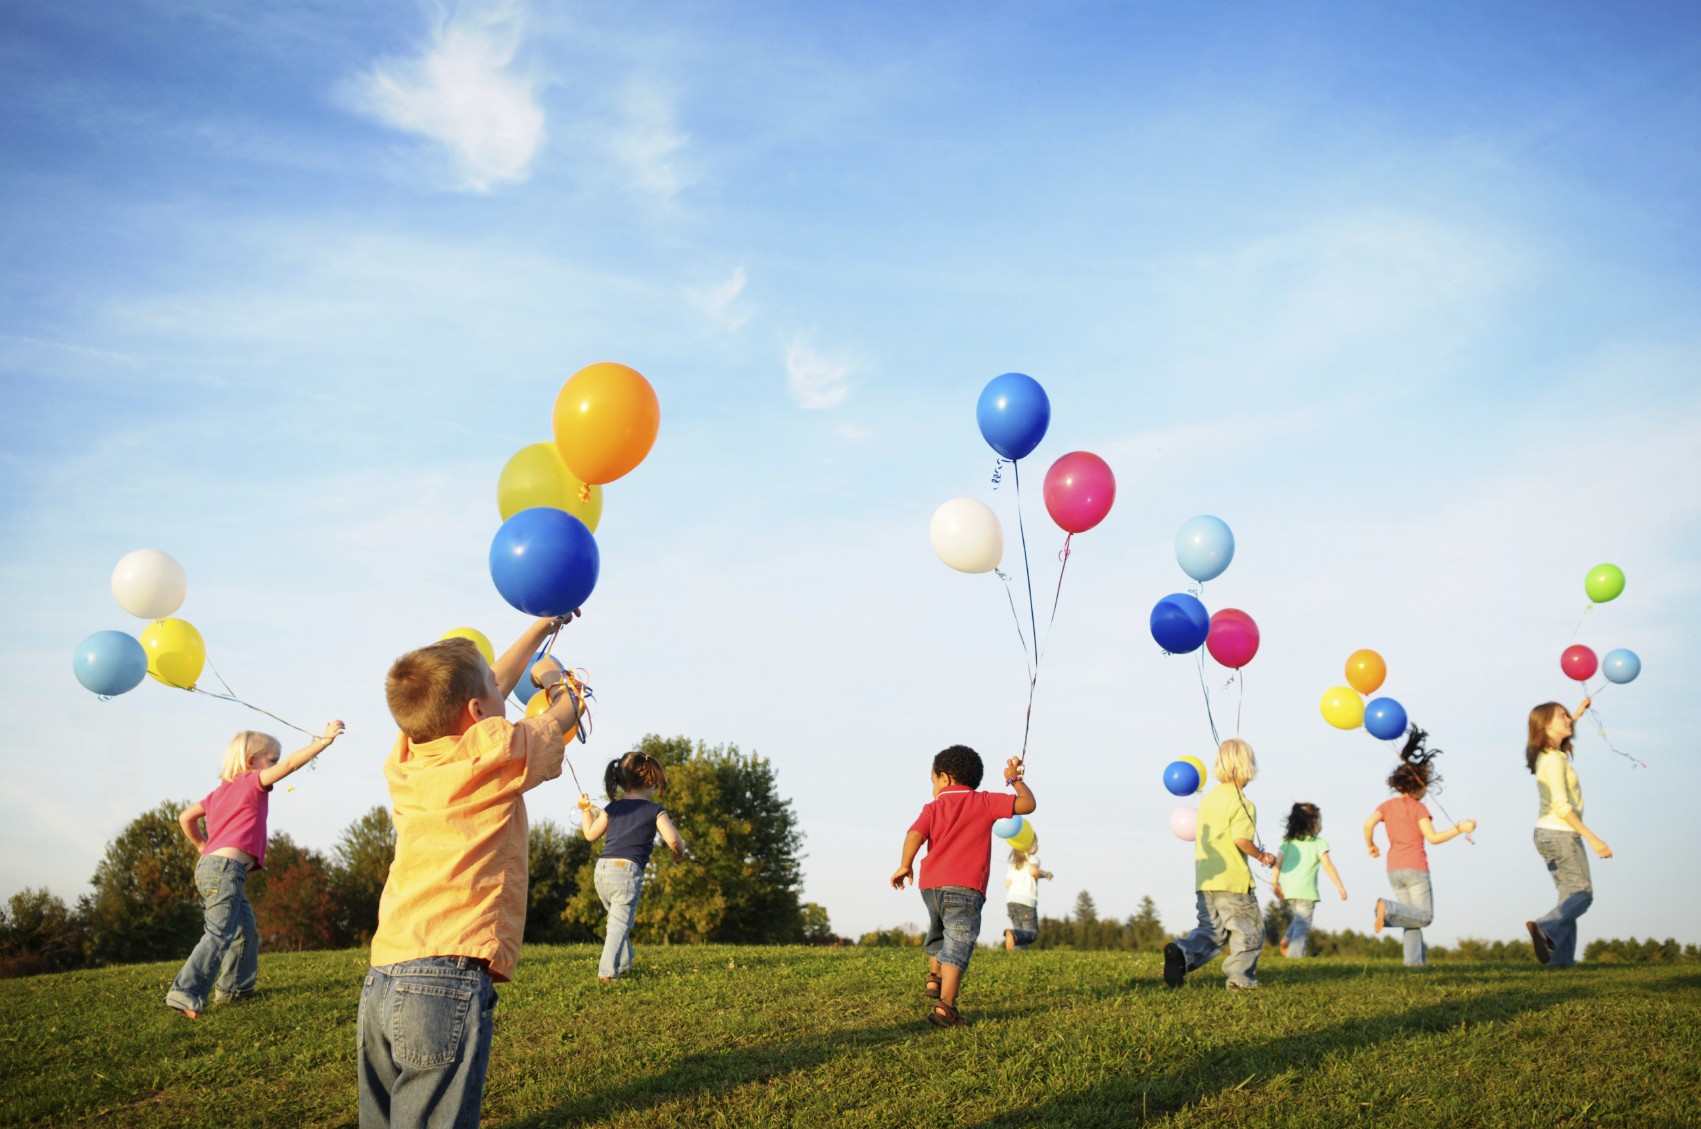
(234, 844)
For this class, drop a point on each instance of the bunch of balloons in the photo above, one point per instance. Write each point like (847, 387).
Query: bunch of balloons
(1017, 832)
(1345, 707)
(150, 585)
(1184, 777)
(1180, 624)
(544, 559)
(1603, 584)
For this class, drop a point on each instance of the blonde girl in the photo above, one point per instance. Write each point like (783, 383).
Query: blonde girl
(1021, 897)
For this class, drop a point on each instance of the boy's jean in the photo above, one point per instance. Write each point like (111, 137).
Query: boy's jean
(1230, 920)
(424, 1043)
(1569, 864)
(1299, 929)
(229, 951)
(953, 923)
(1411, 908)
(618, 882)
(1024, 923)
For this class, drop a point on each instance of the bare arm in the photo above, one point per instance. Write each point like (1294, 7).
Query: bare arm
(1464, 827)
(905, 871)
(1329, 869)
(1589, 837)
(1370, 833)
(1250, 851)
(1013, 776)
(301, 756)
(670, 836)
(1582, 707)
(190, 820)
(513, 661)
(595, 822)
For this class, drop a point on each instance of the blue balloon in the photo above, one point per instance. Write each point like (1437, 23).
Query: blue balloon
(1204, 547)
(1384, 718)
(1621, 666)
(1180, 623)
(1013, 412)
(526, 687)
(1007, 828)
(110, 662)
(544, 561)
(1181, 778)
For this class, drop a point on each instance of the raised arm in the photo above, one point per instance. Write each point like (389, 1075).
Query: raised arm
(190, 820)
(595, 821)
(1582, 707)
(1013, 772)
(1464, 827)
(512, 662)
(301, 756)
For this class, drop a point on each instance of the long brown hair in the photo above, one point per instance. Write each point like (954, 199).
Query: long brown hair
(1540, 718)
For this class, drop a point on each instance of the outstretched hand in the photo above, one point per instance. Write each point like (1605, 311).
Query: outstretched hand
(333, 730)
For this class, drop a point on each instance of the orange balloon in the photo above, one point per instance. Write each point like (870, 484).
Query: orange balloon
(1365, 671)
(606, 419)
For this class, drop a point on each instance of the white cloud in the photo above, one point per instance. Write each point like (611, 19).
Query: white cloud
(649, 144)
(461, 93)
(717, 300)
(816, 381)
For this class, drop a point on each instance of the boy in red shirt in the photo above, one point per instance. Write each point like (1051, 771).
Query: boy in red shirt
(957, 826)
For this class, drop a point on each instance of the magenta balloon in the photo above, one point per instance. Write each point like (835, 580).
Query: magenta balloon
(1183, 823)
(1579, 662)
(1233, 639)
(1079, 490)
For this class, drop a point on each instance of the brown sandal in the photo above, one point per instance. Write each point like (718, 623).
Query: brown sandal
(933, 985)
(949, 1018)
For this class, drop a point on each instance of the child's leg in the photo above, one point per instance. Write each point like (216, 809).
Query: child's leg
(240, 971)
(220, 882)
(953, 927)
(1299, 930)
(1239, 916)
(617, 883)
(1024, 925)
(424, 1042)
(1569, 864)
(1207, 937)
(1411, 908)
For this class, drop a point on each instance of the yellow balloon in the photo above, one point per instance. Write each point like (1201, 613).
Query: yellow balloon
(606, 419)
(1023, 840)
(1200, 765)
(176, 653)
(1342, 707)
(479, 638)
(536, 476)
(540, 703)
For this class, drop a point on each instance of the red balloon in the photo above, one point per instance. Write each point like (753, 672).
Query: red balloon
(1233, 639)
(1079, 489)
(1579, 662)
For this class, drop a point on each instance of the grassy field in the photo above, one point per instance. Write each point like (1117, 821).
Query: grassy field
(823, 1037)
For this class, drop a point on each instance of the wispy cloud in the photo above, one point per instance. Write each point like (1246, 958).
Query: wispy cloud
(461, 91)
(813, 379)
(649, 143)
(717, 300)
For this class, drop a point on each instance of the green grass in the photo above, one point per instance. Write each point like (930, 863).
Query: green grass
(710, 1035)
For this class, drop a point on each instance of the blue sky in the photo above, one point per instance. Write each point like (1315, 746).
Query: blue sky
(1407, 294)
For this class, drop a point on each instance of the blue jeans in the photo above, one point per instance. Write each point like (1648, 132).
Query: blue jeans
(1231, 921)
(1411, 908)
(953, 923)
(618, 882)
(1299, 929)
(424, 1043)
(227, 957)
(1024, 923)
(1569, 864)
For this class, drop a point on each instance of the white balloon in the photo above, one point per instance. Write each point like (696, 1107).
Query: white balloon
(149, 584)
(967, 536)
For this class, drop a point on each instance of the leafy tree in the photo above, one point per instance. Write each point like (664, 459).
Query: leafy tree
(739, 881)
(897, 937)
(1146, 929)
(293, 903)
(39, 933)
(144, 905)
(817, 929)
(554, 860)
(1277, 918)
(360, 864)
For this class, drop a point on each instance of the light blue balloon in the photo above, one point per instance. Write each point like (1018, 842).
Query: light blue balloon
(110, 662)
(1621, 666)
(1204, 547)
(1007, 828)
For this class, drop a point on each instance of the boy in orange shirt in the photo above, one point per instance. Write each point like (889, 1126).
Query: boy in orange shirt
(454, 905)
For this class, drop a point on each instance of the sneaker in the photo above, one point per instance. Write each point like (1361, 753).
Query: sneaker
(1175, 965)
(1381, 914)
(1538, 939)
(1249, 987)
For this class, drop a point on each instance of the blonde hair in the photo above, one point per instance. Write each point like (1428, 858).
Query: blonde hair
(1018, 858)
(428, 689)
(1235, 763)
(243, 748)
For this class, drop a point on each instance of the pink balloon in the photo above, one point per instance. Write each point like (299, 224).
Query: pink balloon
(1233, 639)
(1579, 662)
(1183, 822)
(1079, 489)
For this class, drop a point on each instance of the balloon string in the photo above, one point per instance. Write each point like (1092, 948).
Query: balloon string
(1005, 577)
(1431, 798)
(1027, 569)
(1203, 689)
(1595, 717)
(1033, 672)
(997, 473)
(1240, 700)
(230, 696)
(1580, 620)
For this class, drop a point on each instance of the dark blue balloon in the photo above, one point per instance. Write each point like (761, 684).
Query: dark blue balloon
(1384, 718)
(1013, 412)
(1181, 778)
(1180, 623)
(544, 561)
(110, 662)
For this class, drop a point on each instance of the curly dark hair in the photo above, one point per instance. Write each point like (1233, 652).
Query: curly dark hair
(1304, 822)
(961, 764)
(1416, 770)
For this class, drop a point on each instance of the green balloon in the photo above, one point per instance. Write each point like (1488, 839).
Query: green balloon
(1605, 582)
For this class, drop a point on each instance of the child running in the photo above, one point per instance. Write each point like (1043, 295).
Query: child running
(1296, 880)
(1021, 897)
(1560, 833)
(1409, 827)
(631, 823)
(227, 957)
(1224, 838)
(957, 828)
(453, 910)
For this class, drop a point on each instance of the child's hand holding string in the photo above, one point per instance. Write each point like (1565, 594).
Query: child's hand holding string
(1014, 770)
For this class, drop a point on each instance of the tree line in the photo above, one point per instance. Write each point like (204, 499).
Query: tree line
(739, 882)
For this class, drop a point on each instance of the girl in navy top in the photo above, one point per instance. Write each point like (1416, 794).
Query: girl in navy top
(630, 825)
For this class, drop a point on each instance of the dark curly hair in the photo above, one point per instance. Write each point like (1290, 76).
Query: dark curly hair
(1304, 822)
(961, 764)
(1416, 771)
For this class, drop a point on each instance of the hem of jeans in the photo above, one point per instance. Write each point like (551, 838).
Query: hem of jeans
(178, 1001)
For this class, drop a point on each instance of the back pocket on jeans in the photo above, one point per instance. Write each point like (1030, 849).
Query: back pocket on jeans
(428, 1022)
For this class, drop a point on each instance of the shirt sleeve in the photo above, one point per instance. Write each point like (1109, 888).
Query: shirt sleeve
(924, 822)
(537, 741)
(1423, 812)
(1550, 774)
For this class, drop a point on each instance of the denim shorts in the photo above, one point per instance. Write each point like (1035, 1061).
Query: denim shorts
(953, 923)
